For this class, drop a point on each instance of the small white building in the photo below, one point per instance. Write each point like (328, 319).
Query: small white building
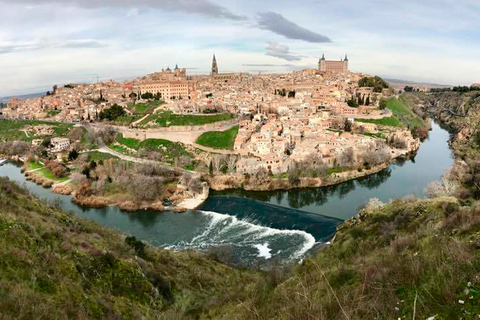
(60, 144)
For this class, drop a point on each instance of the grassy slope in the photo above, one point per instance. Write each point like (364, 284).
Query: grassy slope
(167, 119)
(169, 149)
(402, 110)
(219, 140)
(390, 121)
(56, 266)
(10, 129)
(402, 115)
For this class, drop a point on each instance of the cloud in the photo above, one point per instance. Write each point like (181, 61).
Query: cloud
(83, 44)
(201, 7)
(21, 46)
(43, 44)
(278, 24)
(281, 51)
(133, 12)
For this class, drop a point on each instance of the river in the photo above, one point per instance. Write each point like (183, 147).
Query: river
(258, 228)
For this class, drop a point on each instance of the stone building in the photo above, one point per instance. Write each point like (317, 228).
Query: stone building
(332, 65)
(167, 83)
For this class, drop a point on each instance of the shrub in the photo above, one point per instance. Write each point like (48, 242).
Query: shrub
(137, 245)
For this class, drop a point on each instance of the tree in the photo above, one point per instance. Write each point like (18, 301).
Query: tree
(346, 158)
(47, 142)
(352, 102)
(383, 104)
(72, 155)
(367, 102)
(348, 125)
(112, 113)
(294, 174)
(147, 96)
(76, 134)
(377, 83)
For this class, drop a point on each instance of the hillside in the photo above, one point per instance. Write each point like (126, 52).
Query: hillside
(56, 266)
(408, 259)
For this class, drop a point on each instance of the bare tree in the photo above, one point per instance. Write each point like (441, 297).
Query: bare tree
(218, 161)
(232, 163)
(346, 158)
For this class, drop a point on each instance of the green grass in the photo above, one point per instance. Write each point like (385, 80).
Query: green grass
(10, 129)
(397, 107)
(374, 135)
(147, 107)
(128, 142)
(168, 119)
(34, 165)
(44, 172)
(400, 110)
(335, 170)
(219, 140)
(52, 113)
(402, 115)
(168, 149)
(121, 149)
(49, 175)
(97, 156)
(390, 121)
(126, 119)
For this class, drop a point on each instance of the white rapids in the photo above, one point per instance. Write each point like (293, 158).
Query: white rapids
(224, 229)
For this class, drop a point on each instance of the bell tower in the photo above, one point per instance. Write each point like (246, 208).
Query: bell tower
(214, 66)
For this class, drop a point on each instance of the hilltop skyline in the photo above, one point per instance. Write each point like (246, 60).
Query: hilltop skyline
(49, 42)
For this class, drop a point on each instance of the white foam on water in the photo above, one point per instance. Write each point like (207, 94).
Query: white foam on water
(249, 233)
(263, 250)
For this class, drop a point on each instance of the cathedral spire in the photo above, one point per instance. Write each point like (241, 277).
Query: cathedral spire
(214, 65)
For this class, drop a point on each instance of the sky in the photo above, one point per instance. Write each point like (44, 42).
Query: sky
(48, 42)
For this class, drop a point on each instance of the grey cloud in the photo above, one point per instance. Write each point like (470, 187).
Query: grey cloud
(20, 46)
(83, 44)
(278, 24)
(281, 51)
(43, 44)
(202, 7)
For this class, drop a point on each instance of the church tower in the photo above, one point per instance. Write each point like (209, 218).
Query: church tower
(214, 66)
(322, 64)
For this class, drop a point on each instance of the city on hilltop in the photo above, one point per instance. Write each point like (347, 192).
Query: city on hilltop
(328, 115)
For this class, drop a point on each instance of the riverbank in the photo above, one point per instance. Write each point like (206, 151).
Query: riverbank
(239, 181)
